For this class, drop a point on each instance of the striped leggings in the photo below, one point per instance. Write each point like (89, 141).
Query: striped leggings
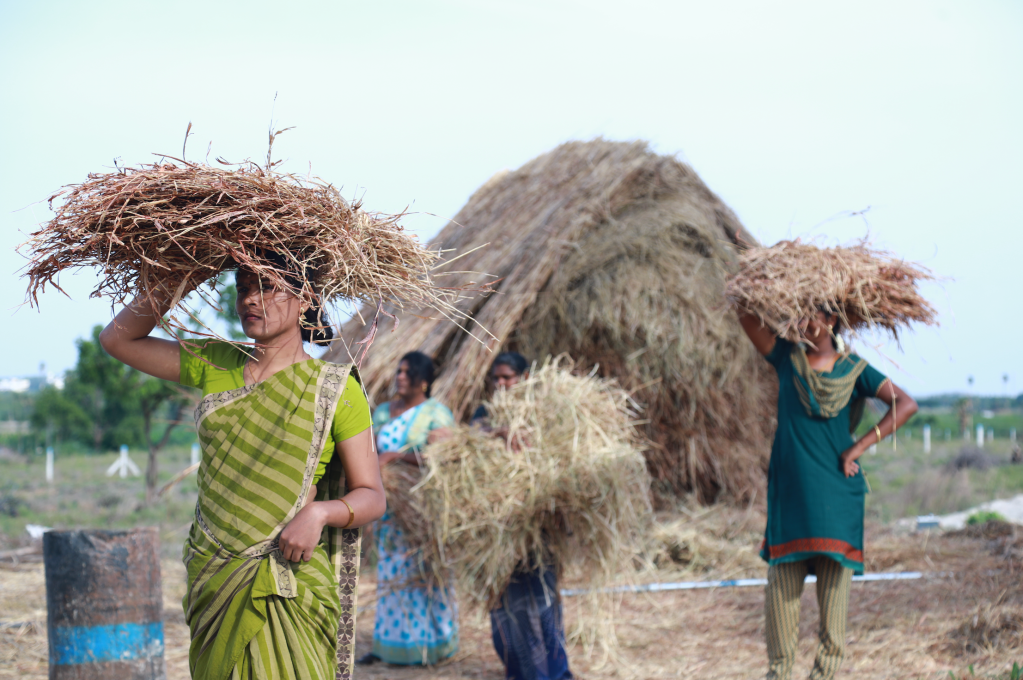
(781, 608)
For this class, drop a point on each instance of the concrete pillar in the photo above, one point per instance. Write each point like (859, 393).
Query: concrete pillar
(927, 438)
(49, 463)
(980, 436)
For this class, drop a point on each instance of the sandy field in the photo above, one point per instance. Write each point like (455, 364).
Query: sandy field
(967, 612)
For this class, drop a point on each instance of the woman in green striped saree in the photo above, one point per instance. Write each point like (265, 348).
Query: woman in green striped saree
(287, 478)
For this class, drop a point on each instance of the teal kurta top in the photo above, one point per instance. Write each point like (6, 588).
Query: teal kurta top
(812, 507)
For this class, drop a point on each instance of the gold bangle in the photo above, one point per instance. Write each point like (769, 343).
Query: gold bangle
(351, 513)
(877, 431)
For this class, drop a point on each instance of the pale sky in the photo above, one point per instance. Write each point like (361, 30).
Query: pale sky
(793, 112)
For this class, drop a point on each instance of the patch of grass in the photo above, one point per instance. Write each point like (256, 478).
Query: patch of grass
(984, 516)
(82, 496)
(906, 481)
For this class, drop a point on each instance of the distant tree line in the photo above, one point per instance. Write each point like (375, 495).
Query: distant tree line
(953, 400)
(105, 404)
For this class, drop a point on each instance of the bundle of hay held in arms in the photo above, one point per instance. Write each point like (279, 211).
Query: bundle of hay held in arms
(164, 228)
(617, 257)
(558, 480)
(868, 289)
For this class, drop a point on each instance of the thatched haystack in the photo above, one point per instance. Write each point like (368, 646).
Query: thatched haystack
(617, 257)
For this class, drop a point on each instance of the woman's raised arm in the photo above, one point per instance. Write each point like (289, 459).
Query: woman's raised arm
(127, 339)
(763, 337)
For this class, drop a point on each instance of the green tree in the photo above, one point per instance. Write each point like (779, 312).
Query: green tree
(156, 396)
(103, 388)
(56, 418)
(96, 406)
(106, 404)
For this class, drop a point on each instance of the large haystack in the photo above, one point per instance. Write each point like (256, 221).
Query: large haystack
(617, 257)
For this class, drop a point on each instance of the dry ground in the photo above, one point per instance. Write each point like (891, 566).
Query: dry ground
(910, 629)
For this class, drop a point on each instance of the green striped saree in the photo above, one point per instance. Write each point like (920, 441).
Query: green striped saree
(253, 614)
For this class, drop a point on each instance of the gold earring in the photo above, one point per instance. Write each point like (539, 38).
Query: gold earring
(425, 387)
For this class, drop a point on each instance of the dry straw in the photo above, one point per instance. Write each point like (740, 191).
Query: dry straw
(570, 490)
(162, 229)
(788, 282)
(618, 257)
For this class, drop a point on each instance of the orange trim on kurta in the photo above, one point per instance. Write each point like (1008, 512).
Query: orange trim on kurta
(829, 545)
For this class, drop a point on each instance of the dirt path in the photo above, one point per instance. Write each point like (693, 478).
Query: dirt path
(908, 629)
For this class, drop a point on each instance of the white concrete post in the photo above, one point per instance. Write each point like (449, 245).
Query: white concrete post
(195, 454)
(124, 465)
(991, 435)
(980, 436)
(927, 438)
(1012, 435)
(49, 463)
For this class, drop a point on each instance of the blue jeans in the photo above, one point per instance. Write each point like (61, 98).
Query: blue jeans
(528, 628)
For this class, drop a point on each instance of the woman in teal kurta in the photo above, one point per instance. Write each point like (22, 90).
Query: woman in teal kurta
(815, 488)
(813, 508)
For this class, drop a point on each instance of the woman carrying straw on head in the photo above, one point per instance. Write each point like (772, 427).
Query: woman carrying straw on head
(287, 477)
(528, 627)
(815, 489)
(415, 623)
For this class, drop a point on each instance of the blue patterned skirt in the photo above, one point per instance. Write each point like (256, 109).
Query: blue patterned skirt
(414, 625)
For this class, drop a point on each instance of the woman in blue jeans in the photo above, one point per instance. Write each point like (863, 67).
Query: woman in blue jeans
(527, 627)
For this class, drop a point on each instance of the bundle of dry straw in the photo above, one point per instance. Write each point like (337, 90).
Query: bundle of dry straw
(618, 257)
(788, 282)
(163, 229)
(570, 490)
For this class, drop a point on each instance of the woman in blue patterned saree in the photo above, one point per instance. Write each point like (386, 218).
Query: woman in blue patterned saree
(415, 624)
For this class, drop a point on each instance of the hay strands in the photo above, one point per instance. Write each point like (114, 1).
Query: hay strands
(158, 231)
(784, 284)
(559, 480)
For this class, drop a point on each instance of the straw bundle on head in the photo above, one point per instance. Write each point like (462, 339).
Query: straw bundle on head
(570, 489)
(167, 227)
(787, 283)
(618, 257)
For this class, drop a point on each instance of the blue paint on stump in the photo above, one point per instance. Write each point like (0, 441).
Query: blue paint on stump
(96, 644)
